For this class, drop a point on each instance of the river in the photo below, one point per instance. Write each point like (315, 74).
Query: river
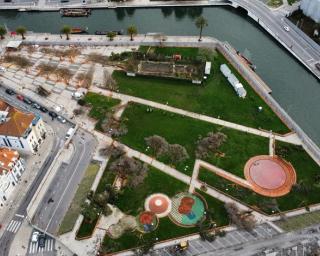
(297, 91)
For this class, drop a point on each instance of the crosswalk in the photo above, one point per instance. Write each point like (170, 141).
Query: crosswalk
(13, 226)
(35, 249)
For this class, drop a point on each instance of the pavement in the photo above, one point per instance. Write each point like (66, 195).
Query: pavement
(55, 202)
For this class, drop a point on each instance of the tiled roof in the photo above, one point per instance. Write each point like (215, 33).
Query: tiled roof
(16, 123)
(7, 156)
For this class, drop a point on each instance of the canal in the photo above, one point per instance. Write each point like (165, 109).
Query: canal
(293, 86)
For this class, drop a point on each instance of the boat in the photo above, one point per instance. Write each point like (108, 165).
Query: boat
(118, 32)
(78, 30)
(75, 12)
(246, 59)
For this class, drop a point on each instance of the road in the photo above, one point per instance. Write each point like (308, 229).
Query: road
(78, 162)
(294, 41)
(63, 187)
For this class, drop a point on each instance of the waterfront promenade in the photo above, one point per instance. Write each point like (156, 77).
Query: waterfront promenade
(273, 21)
(230, 53)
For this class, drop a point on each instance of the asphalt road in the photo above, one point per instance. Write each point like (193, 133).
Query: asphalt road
(59, 195)
(301, 47)
(20, 213)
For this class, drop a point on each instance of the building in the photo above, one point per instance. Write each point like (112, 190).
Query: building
(11, 169)
(311, 8)
(20, 130)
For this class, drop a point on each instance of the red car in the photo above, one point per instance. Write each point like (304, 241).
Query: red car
(20, 97)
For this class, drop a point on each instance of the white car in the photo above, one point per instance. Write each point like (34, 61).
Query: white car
(2, 69)
(35, 236)
(286, 28)
(61, 119)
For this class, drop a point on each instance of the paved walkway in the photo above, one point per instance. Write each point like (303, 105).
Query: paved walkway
(290, 139)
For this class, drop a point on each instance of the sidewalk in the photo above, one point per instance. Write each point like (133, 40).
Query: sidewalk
(33, 164)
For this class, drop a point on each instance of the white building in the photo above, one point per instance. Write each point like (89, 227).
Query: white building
(19, 130)
(311, 8)
(11, 169)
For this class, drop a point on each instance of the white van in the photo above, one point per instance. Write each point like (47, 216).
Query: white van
(69, 133)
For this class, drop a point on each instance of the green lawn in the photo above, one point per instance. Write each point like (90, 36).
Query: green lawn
(238, 148)
(307, 171)
(87, 228)
(132, 202)
(100, 106)
(215, 98)
(300, 221)
(75, 208)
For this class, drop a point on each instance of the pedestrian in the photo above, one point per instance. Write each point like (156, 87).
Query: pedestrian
(60, 36)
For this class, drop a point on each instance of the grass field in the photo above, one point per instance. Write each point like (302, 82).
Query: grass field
(237, 149)
(300, 221)
(132, 202)
(75, 208)
(100, 106)
(86, 228)
(216, 98)
(307, 171)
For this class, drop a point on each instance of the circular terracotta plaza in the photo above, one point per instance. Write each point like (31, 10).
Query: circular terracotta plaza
(270, 175)
(159, 204)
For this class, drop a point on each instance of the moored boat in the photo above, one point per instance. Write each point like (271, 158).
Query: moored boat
(75, 12)
(78, 30)
(118, 32)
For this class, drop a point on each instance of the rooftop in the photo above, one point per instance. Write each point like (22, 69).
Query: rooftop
(7, 158)
(16, 122)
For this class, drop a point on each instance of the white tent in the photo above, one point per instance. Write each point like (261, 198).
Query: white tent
(233, 80)
(225, 70)
(13, 44)
(207, 69)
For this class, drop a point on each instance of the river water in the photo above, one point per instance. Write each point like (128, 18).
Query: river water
(297, 91)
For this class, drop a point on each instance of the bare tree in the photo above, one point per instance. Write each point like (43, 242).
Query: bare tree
(113, 127)
(112, 151)
(209, 144)
(132, 170)
(109, 82)
(158, 144)
(242, 219)
(177, 153)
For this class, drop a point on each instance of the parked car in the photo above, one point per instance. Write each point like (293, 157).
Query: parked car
(42, 240)
(61, 119)
(52, 114)
(27, 101)
(10, 92)
(2, 69)
(43, 109)
(20, 97)
(318, 65)
(36, 105)
(35, 236)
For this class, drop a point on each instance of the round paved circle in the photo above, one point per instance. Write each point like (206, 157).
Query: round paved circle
(270, 176)
(159, 204)
(267, 173)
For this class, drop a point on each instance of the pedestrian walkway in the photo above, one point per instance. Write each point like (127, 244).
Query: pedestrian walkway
(14, 226)
(35, 249)
(242, 128)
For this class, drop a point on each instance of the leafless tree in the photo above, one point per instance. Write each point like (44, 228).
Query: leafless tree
(132, 170)
(109, 82)
(209, 144)
(242, 219)
(177, 153)
(113, 127)
(112, 151)
(158, 144)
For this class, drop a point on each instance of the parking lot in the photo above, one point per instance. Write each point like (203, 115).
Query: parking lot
(233, 238)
